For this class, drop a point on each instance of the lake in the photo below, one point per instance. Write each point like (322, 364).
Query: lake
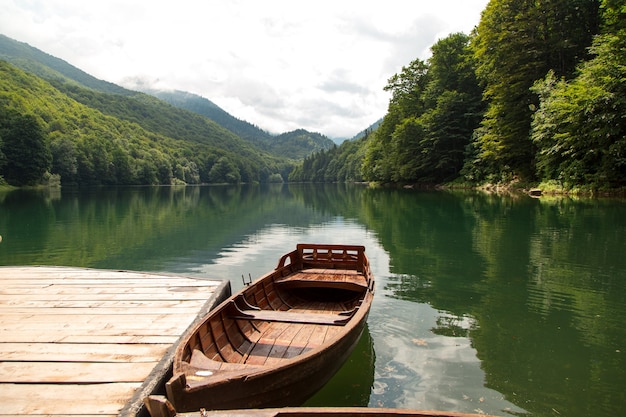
(507, 305)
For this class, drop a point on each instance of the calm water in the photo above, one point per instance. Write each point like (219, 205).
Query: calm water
(502, 305)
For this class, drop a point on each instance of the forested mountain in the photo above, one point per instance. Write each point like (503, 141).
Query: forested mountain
(294, 145)
(367, 131)
(537, 93)
(75, 133)
(48, 67)
(154, 114)
(206, 107)
(298, 144)
(342, 163)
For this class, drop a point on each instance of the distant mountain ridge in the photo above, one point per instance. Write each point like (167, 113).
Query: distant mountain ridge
(63, 75)
(295, 145)
(46, 66)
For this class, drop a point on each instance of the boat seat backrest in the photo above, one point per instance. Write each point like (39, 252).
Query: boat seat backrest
(334, 256)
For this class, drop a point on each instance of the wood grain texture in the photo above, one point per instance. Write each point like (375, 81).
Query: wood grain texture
(82, 342)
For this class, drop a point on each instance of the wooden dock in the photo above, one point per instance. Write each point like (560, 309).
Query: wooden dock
(84, 342)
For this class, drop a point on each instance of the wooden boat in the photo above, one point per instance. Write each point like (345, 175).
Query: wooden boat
(158, 406)
(280, 339)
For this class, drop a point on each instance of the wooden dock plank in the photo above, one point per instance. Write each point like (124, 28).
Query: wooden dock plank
(97, 310)
(95, 336)
(28, 296)
(193, 292)
(83, 342)
(84, 320)
(85, 372)
(100, 352)
(8, 306)
(78, 400)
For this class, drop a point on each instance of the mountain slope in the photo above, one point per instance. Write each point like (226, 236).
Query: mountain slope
(150, 113)
(138, 107)
(295, 145)
(299, 143)
(93, 147)
(47, 66)
(206, 107)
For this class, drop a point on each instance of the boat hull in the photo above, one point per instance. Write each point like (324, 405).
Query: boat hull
(287, 386)
(231, 374)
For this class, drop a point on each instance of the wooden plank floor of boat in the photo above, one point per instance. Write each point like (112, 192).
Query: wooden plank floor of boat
(77, 341)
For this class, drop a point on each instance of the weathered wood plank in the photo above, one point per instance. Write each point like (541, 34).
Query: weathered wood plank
(81, 342)
(34, 278)
(74, 372)
(95, 336)
(82, 296)
(84, 317)
(81, 325)
(62, 415)
(282, 345)
(53, 310)
(335, 278)
(101, 399)
(101, 305)
(94, 352)
(35, 272)
(193, 292)
(143, 284)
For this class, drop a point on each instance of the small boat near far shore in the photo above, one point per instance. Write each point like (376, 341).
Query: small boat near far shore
(280, 339)
(158, 406)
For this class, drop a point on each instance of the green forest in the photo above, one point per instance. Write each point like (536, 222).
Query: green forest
(536, 94)
(61, 131)
(60, 125)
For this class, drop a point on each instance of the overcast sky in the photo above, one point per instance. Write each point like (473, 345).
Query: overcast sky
(281, 65)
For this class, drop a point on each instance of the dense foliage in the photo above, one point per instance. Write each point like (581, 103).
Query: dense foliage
(99, 138)
(151, 142)
(580, 127)
(339, 164)
(26, 156)
(517, 42)
(535, 93)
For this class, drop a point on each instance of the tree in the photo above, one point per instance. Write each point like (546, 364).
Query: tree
(26, 149)
(3, 159)
(64, 161)
(121, 162)
(455, 108)
(407, 100)
(407, 88)
(517, 43)
(449, 128)
(407, 152)
(434, 110)
(224, 171)
(580, 127)
(377, 164)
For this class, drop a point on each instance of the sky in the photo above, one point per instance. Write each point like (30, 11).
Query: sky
(278, 64)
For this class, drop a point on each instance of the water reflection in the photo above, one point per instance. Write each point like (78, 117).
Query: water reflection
(483, 303)
(425, 360)
(351, 386)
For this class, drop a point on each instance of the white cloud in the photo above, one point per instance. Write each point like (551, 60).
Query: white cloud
(281, 65)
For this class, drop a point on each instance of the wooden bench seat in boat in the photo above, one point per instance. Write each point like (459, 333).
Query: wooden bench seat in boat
(346, 279)
(330, 319)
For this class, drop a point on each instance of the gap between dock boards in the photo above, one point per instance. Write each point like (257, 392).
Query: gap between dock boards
(78, 341)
